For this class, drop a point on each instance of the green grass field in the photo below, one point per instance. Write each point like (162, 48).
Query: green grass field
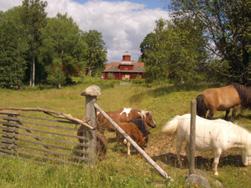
(118, 170)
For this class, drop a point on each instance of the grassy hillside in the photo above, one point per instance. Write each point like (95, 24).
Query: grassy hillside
(118, 170)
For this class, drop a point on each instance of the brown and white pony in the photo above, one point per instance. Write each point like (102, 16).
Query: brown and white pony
(124, 115)
(223, 99)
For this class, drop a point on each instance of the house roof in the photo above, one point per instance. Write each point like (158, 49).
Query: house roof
(114, 67)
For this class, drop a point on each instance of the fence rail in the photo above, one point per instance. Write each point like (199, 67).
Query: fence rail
(43, 134)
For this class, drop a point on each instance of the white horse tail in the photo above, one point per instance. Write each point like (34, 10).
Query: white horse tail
(171, 126)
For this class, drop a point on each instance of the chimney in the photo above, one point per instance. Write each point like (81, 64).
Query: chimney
(126, 57)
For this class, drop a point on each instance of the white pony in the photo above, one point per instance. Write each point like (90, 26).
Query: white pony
(217, 135)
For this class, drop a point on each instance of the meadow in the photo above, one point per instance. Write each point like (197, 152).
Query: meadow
(117, 169)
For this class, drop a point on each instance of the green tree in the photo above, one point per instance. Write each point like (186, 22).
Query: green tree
(225, 24)
(34, 19)
(174, 51)
(153, 50)
(12, 49)
(62, 40)
(96, 53)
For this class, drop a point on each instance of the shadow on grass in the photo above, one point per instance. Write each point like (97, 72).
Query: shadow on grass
(200, 162)
(112, 140)
(245, 116)
(164, 90)
(122, 149)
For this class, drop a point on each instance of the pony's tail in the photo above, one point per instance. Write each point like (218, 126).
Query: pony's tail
(201, 106)
(171, 126)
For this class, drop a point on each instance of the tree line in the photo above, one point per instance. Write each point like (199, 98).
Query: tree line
(36, 49)
(204, 41)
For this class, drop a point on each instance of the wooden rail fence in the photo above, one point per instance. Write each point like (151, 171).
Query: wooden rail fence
(43, 135)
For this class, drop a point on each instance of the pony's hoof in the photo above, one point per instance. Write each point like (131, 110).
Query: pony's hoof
(216, 173)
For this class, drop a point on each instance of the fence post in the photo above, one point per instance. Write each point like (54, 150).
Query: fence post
(192, 137)
(91, 94)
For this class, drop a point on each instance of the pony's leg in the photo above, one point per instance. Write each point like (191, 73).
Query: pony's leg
(211, 113)
(217, 154)
(234, 111)
(178, 150)
(128, 148)
(187, 153)
(226, 115)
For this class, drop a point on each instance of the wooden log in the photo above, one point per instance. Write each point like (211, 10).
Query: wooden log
(192, 138)
(50, 139)
(48, 126)
(42, 131)
(53, 146)
(9, 112)
(65, 121)
(139, 149)
(29, 155)
(49, 112)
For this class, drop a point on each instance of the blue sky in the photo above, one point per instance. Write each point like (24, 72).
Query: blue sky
(123, 24)
(163, 4)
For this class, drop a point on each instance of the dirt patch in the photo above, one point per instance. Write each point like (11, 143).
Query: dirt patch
(159, 144)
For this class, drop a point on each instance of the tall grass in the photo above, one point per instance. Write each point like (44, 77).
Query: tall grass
(117, 170)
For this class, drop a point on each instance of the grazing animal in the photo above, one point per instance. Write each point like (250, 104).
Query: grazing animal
(219, 99)
(141, 126)
(132, 130)
(217, 135)
(124, 115)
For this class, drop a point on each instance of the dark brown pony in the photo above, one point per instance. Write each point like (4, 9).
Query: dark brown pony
(124, 115)
(223, 99)
(133, 131)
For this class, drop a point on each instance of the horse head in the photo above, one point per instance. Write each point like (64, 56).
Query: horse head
(148, 118)
(201, 106)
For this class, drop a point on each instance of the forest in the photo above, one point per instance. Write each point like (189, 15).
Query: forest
(35, 49)
(202, 42)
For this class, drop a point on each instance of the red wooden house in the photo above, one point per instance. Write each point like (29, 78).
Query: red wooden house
(125, 69)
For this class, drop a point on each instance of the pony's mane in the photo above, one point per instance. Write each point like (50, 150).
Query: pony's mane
(244, 93)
